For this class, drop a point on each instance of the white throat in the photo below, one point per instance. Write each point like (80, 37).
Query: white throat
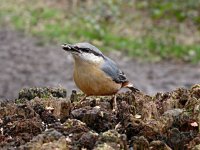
(89, 58)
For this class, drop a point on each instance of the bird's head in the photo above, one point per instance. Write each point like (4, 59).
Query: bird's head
(84, 52)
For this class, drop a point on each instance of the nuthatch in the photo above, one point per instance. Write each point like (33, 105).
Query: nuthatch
(94, 73)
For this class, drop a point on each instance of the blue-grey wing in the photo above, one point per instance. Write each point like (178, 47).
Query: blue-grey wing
(111, 69)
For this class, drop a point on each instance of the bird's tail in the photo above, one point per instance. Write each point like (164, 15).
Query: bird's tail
(130, 86)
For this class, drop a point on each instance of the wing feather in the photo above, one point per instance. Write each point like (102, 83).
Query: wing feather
(111, 69)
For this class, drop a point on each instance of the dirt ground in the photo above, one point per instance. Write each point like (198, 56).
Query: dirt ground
(43, 118)
(24, 62)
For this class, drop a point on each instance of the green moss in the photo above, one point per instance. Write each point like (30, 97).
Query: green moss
(31, 93)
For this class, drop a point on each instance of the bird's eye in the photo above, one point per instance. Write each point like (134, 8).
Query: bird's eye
(87, 50)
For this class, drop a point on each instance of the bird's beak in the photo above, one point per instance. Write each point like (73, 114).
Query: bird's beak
(70, 48)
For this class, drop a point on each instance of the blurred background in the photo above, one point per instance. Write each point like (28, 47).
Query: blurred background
(155, 42)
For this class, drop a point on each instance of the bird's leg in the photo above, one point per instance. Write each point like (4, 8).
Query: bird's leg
(83, 99)
(114, 103)
(77, 105)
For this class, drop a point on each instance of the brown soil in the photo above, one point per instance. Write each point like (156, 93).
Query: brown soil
(43, 118)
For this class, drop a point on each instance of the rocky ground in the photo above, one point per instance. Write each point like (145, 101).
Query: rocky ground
(26, 62)
(43, 118)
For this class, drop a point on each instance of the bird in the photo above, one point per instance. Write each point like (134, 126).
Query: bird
(96, 74)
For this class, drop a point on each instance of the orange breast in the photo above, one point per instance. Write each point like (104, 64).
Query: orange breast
(93, 81)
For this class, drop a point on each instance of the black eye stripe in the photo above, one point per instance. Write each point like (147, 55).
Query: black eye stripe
(87, 50)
